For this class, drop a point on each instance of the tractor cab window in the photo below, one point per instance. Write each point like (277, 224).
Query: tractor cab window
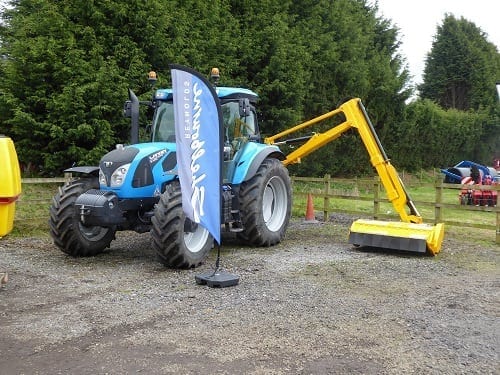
(238, 128)
(163, 123)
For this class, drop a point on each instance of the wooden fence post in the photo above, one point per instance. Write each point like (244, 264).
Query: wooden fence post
(326, 199)
(438, 208)
(376, 197)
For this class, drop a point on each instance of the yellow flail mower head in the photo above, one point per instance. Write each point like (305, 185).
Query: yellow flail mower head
(419, 238)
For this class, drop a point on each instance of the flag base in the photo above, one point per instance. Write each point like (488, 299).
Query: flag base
(217, 279)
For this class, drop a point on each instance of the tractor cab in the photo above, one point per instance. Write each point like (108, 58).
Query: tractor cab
(238, 114)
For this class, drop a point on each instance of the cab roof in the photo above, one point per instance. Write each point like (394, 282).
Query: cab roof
(222, 93)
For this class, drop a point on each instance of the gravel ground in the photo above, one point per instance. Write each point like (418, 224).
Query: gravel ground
(311, 305)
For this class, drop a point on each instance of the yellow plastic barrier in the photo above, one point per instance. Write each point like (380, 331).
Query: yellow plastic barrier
(10, 184)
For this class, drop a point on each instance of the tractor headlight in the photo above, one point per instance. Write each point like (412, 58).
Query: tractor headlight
(119, 175)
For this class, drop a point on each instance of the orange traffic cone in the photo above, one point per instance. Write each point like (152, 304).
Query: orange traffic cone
(310, 218)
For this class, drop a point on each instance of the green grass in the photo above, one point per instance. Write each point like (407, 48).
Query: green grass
(32, 209)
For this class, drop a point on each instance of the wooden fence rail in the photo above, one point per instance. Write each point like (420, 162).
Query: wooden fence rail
(373, 194)
(328, 189)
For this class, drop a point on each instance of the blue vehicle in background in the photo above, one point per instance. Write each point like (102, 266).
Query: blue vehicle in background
(455, 174)
(136, 187)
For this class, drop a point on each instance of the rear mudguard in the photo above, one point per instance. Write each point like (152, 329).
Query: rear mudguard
(252, 156)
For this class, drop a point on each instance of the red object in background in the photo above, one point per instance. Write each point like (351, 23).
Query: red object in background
(475, 197)
(489, 196)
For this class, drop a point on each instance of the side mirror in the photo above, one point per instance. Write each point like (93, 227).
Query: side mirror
(244, 107)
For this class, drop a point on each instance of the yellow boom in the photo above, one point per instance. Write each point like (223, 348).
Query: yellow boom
(410, 234)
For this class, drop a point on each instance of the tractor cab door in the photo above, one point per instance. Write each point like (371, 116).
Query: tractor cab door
(164, 123)
(239, 126)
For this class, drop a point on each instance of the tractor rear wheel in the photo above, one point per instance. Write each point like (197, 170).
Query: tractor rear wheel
(178, 242)
(265, 204)
(66, 229)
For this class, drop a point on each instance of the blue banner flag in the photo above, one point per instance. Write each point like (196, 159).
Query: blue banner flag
(198, 124)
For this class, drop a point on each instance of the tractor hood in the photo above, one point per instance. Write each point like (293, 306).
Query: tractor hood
(138, 170)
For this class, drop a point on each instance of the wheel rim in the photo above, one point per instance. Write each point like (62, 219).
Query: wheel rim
(93, 233)
(275, 203)
(196, 238)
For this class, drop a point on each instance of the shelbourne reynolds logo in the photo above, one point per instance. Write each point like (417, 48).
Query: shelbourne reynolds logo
(197, 152)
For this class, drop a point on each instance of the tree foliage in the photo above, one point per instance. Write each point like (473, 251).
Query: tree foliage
(63, 77)
(67, 65)
(439, 137)
(462, 67)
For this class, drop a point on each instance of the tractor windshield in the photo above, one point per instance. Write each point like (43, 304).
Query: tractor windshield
(163, 123)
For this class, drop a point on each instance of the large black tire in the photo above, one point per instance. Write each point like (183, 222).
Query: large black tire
(66, 229)
(265, 204)
(178, 242)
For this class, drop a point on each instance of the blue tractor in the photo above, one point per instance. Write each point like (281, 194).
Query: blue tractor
(136, 187)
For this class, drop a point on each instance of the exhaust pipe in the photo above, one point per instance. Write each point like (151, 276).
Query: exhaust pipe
(132, 111)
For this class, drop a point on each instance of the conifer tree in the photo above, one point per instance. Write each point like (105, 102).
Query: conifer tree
(462, 67)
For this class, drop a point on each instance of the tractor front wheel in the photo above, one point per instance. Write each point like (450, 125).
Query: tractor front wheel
(66, 229)
(179, 242)
(265, 204)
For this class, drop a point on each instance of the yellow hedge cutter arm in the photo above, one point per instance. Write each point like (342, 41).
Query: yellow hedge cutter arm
(410, 234)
